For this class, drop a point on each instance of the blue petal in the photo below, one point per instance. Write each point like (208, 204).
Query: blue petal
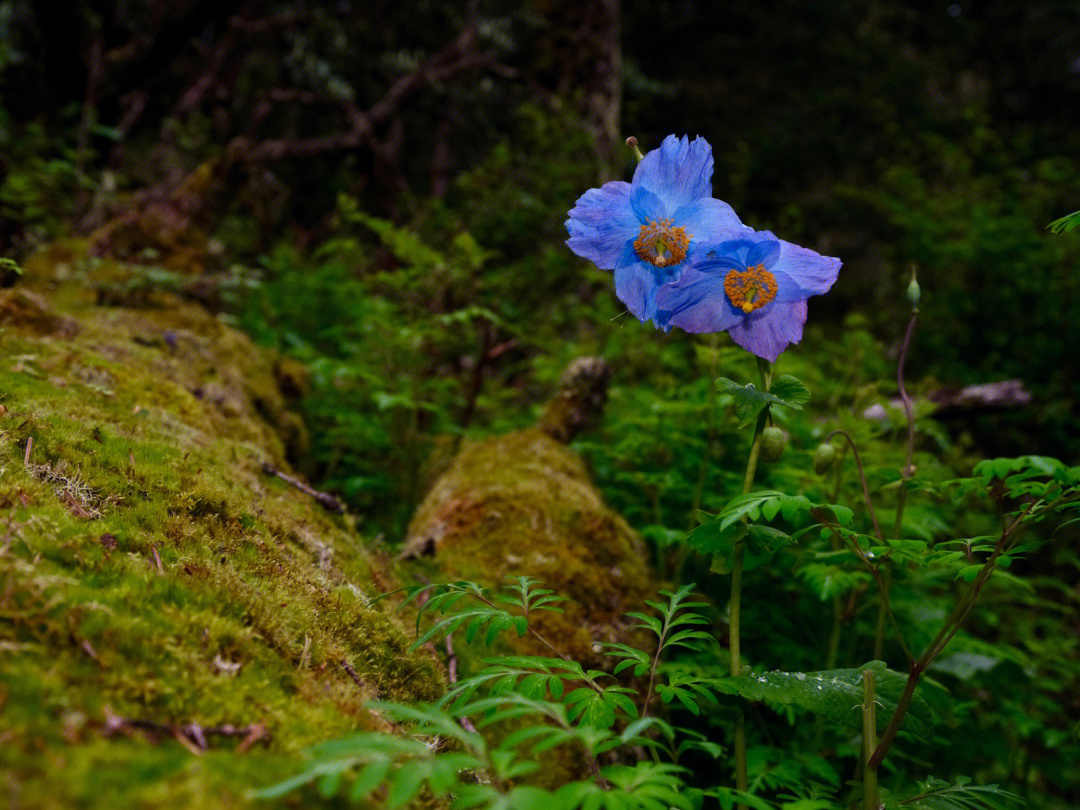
(637, 282)
(707, 220)
(697, 303)
(765, 251)
(807, 273)
(724, 255)
(601, 223)
(647, 205)
(768, 331)
(678, 172)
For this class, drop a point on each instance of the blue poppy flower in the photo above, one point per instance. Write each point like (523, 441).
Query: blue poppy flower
(752, 286)
(647, 229)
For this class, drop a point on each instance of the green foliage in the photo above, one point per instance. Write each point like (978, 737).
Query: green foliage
(834, 694)
(521, 594)
(1065, 224)
(937, 794)
(750, 401)
(449, 753)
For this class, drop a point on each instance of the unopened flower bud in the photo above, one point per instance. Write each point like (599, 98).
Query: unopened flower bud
(773, 442)
(824, 458)
(913, 291)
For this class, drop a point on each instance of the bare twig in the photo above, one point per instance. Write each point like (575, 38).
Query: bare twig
(451, 669)
(193, 736)
(345, 665)
(328, 501)
(456, 57)
(157, 559)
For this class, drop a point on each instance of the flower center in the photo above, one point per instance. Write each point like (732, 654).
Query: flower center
(750, 289)
(662, 244)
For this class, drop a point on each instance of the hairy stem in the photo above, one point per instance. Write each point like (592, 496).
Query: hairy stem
(909, 469)
(862, 480)
(870, 793)
(883, 590)
(907, 472)
(883, 613)
(735, 609)
(652, 669)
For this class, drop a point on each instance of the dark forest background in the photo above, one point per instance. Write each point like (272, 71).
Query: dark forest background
(325, 172)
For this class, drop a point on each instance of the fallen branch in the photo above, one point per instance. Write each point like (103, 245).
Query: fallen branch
(451, 667)
(345, 665)
(328, 501)
(950, 400)
(192, 736)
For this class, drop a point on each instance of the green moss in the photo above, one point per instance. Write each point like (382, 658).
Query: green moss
(148, 428)
(523, 504)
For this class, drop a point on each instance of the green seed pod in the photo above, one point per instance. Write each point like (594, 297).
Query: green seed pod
(914, 294)
(773, 442)
(824, 458)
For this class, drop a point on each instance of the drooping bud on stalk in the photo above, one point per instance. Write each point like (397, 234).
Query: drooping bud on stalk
(632, 143)
(773, 442)
(824, 458)
(914, 294)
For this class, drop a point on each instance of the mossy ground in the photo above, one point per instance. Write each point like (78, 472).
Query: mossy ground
(149, 568)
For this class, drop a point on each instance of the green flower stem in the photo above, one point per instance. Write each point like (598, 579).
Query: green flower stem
(833, 650)
(735, 608)
(870, 792)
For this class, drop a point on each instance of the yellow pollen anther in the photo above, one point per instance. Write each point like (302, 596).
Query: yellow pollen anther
(662, 244)
(750, 289)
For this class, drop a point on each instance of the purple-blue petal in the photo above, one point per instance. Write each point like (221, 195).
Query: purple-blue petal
(728, 252)
(679, 172)
(770, 330)
(764, 252)
(810, 272)
(601, 223)
(637, 283)
(646, 205)
(697, 303)
(707, 220)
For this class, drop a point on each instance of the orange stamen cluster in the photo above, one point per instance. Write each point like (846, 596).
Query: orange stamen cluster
(661, 244)
(750, 289)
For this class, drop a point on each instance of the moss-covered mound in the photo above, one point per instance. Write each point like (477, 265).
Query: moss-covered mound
(523, 504)
(176, 624)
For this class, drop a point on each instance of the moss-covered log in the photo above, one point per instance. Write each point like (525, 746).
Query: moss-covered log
(175, 624)
(523, 504)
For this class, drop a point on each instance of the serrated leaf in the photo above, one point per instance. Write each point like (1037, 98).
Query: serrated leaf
(713, 538)
(833, 693)
(790, 391)
(751, 400)
(1066, 223)
(746, 506)
(765, 540)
